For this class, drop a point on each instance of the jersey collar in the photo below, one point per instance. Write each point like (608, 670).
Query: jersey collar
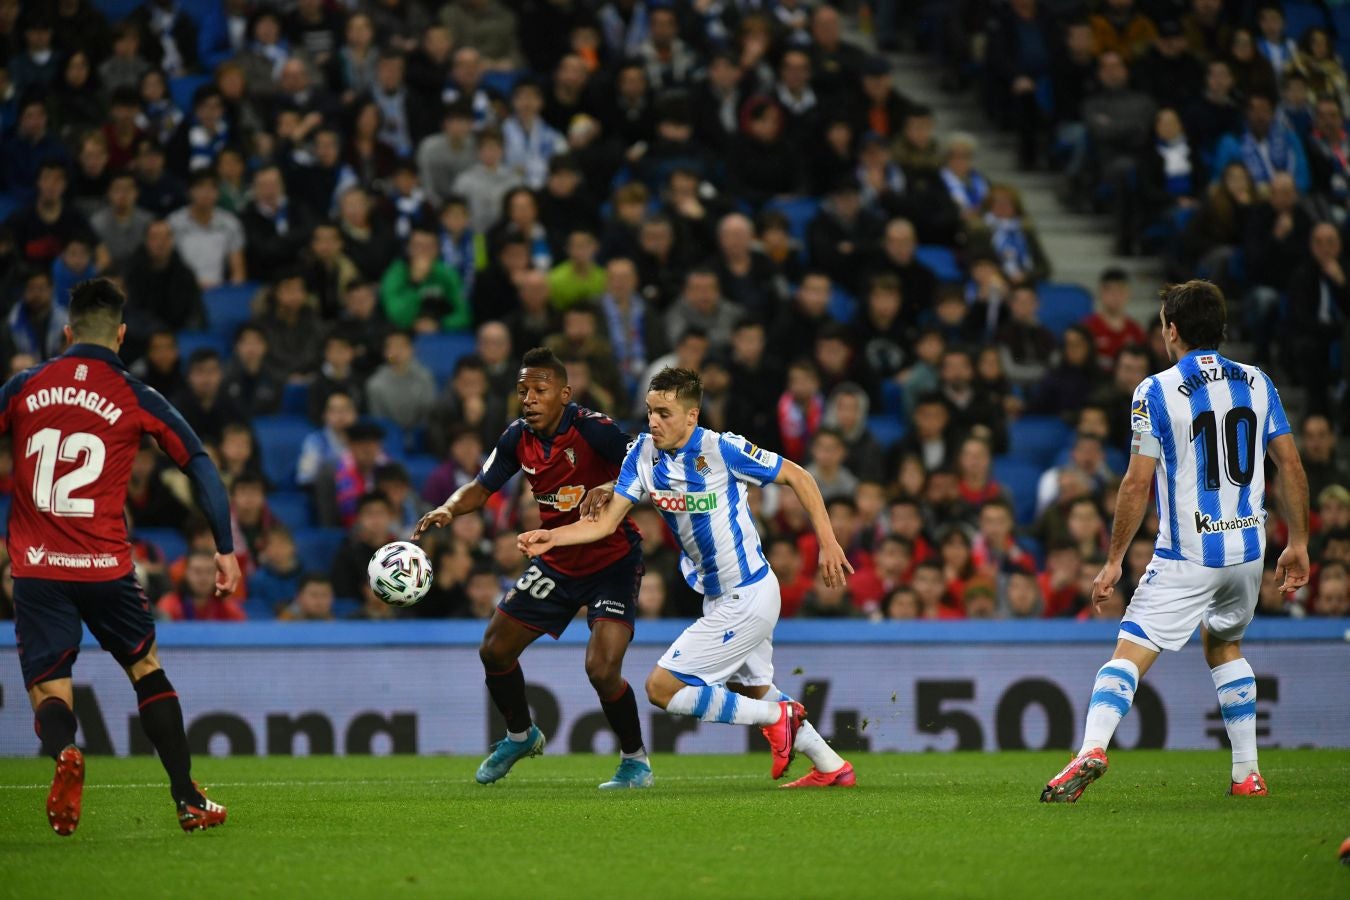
(94, 351)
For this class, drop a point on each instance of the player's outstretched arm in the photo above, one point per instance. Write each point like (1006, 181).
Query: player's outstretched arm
(1293, 564)
(595, 500)
(1131, 502)
(832, 560)
(585, 531)
(467, 499)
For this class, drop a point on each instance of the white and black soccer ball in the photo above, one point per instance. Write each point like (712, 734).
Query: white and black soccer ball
(399, 573)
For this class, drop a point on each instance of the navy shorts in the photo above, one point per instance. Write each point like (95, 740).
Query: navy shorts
(544, 599)
(48, 615)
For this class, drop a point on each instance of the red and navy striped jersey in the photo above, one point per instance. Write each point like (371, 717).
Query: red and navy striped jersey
(587, 450)
(77, 422)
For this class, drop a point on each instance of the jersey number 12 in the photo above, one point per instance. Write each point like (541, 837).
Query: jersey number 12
(52, 495)
(1239, 438)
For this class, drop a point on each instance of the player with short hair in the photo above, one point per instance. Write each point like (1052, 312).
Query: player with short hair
(77, 422)
(721, 668)
(564, 451)
(1202, 432)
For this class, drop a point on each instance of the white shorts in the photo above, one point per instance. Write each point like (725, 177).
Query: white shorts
(733, 642)
(1175, 595)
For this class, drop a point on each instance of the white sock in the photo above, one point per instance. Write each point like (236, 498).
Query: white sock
(1112, 694)
(518, 736)
(1235, 684)
(640, 754)
(809, 742)
(714, 703)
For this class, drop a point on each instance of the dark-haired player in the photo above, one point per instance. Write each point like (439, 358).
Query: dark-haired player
(721, 668)
(76, 423)
(564, 451)
(1203, 431)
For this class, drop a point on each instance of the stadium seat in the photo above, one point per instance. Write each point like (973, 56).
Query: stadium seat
(394, 445)
(345, 607)
(291, 508)
(4, 515)
(183, 87)
(892, 398)
(279, 439)
(942, 260)
(440, 352)
(843, 306)
(1063, 305)
(799, 212)
(315, 548)
(887, 429)
(170, 541)
(420, 466)
(116, 10)
(1038, 439)
(1021, 479)
(190, 341)
(295, 399)
(227, 307)
(1300, 15)
(502, 83)
(9, 204)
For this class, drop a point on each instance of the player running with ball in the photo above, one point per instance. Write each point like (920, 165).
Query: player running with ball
(77, 423)
(1202, 432)
(721, 668)
(564, 450)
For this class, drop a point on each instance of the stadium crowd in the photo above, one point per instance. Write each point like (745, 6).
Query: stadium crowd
(339, 226)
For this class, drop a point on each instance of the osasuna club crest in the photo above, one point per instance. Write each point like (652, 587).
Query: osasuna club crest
(571, 455)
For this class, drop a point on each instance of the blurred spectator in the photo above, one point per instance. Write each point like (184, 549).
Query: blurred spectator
(1110, 324)
(290, 321)
(1265, 147)
(482, 591)
(162, 290)
(371, 529)
(1120, 28)
(313, 601)
(486, 183)
(204, 405)
(35, 323)
(353, 477)
(447, 597)
(194, 598)
(419, 292)
(577, 279)
(24, 153)
(159, 366)
(250, 382)
(702, 306)
(402, 389)
(827, 602)
(918, 283)
(120, 224)
(847, 412)
(801, 409)
(444, 156)
(275, 229)
(325, 448)
(210, 240)
(1321, 461)
(250, 518)
(1318, 307)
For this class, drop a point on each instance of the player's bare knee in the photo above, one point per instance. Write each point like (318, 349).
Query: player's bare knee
(606, 675)
(144, 666)
(57, 689)
(658, 692)
(496, 655)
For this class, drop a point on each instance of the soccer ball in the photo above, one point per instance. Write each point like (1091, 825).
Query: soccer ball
(399, 573)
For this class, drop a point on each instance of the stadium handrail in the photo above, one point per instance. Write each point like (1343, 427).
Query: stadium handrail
(459, 633)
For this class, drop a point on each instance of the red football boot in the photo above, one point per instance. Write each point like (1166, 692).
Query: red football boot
(841, 778)
(1073, 779)
(194, 816)
(783, 734)
(63, 803)
(1251, 786)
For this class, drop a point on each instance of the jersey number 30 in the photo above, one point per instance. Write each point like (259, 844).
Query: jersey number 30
(48, 446)
(1239, 438)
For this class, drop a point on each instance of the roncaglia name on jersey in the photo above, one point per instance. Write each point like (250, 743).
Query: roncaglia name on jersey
(93, 401)
(1215, 373)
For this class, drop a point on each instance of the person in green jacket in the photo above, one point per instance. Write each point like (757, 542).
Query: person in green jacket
(579, 278)
(421, 292)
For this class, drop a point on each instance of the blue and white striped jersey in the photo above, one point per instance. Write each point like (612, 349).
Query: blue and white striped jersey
(697, 491)
(1208, 421)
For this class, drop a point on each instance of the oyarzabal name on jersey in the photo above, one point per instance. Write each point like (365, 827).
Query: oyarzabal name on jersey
(679, 501)
(1205, 525)
(68, 395)
(1209, 376)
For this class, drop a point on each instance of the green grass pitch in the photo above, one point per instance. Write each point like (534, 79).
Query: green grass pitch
(934, 825)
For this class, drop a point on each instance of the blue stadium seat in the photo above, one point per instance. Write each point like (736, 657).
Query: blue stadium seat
(892, 398)
(279, 439)
(9, 204)
(183, 87)
(440, 352)
(1021, 479)
(799, 212)
(887, 429)
(117, 10)
(420, 466)
(316, 547)
(1063, 305)
(942, 260)
(1300, 15)
(4, 515)
(292, 508)
(345, 607)
(189, 341)
(843, 306)
(295, 399)
(170, 541)
(227, 307)
(502, 82)
(393, 436)
(1038, 439)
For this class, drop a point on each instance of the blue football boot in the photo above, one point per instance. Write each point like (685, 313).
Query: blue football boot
(632, 773)
(506, 752)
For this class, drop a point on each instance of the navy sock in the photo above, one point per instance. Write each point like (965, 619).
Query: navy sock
(622, 713)
(54, 723)
(507, 690)
(162, 720)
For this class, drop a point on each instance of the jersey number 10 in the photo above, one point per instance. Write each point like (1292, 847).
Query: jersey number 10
(53, 495)
(1239, 438)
